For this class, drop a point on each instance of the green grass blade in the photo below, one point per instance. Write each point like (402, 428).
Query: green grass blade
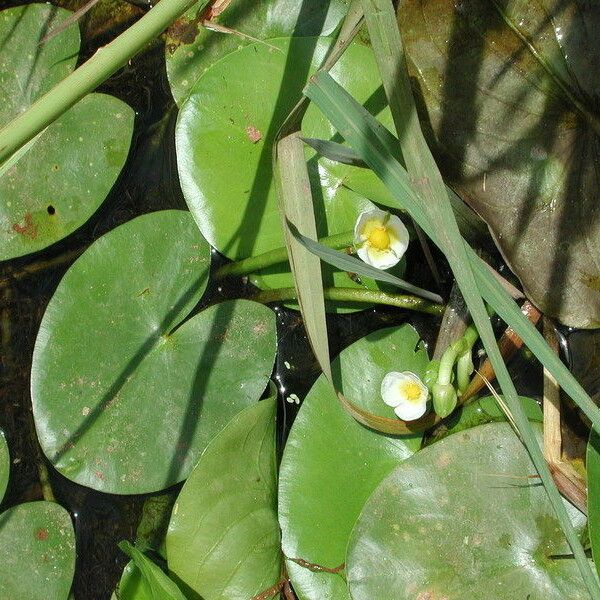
(334, 151)
(353, 121)
(356, 126)
(345, 262)
(437, 213)
(295, 206)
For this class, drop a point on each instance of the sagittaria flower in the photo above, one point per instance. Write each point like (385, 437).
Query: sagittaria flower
(380, 238)
(406, 394)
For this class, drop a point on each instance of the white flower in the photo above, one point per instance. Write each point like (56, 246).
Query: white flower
(381, 239)
(406, 393)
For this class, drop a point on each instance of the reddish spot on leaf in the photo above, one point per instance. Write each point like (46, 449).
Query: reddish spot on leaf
(41, 534)
(254, 135)
(29, 230)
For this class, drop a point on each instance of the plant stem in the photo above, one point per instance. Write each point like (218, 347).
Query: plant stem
(278, 256)
(357, 295)
(106, 61)
(454, 352)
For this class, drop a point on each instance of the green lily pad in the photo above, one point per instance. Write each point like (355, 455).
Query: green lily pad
(127, 392)
(4, 465)
(223, 538)
(509, 91)
(481, 411)
(191, 49)
(59, 179)
(331, 464)
(462, 519)
(37, 552)
(244, 96)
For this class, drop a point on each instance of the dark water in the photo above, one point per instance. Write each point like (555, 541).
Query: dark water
(149, 182)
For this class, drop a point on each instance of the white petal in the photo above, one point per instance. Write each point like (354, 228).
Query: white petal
(390, 388)
(381, 259)
(399, 238)
(409, 411)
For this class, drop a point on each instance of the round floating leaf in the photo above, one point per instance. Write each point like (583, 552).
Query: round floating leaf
(37, 552)
(57, 181)
(331, 464)
(463, 519)
(228, 124)
(223, 538)
(126, 392)
(191, 48)
(509, 90)
(483, 410)
(4, 465)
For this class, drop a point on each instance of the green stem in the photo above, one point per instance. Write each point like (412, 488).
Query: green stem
(106, 61)
(357, 295)
(454, 352)
(278, 256)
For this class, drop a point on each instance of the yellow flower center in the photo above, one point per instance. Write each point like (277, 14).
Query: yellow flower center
(411, 390)
(379, 238)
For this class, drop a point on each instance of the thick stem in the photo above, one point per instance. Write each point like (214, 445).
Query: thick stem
(90, 75)
(278, 256)
(357, 295)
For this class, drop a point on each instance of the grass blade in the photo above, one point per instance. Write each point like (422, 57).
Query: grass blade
(437, 213)
(356, 126)
(295, 206)
(345, 262)
(334, 151)
(356, 123)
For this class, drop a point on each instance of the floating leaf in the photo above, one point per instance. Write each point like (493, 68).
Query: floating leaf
(223, 539)
(126, 391)
(481, 411)
(155, 583)
(463, 518)
(56, 182)
(191, 49)
(238, 215)
(37, 552)
(509, 93)
(331, 464)
(4, 465)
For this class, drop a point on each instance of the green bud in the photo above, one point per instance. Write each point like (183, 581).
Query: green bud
(431, 373)
(444, 398)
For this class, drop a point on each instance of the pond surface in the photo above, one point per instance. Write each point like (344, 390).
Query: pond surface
(149, 182)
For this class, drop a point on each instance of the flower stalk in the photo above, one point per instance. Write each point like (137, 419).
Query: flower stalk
(356, 295)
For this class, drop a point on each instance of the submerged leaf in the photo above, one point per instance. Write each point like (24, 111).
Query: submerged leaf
(331, 463)
(37, 552)
(223, 539)
(57, 181)
(127, 389)
(463, 519)
(509, 91)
